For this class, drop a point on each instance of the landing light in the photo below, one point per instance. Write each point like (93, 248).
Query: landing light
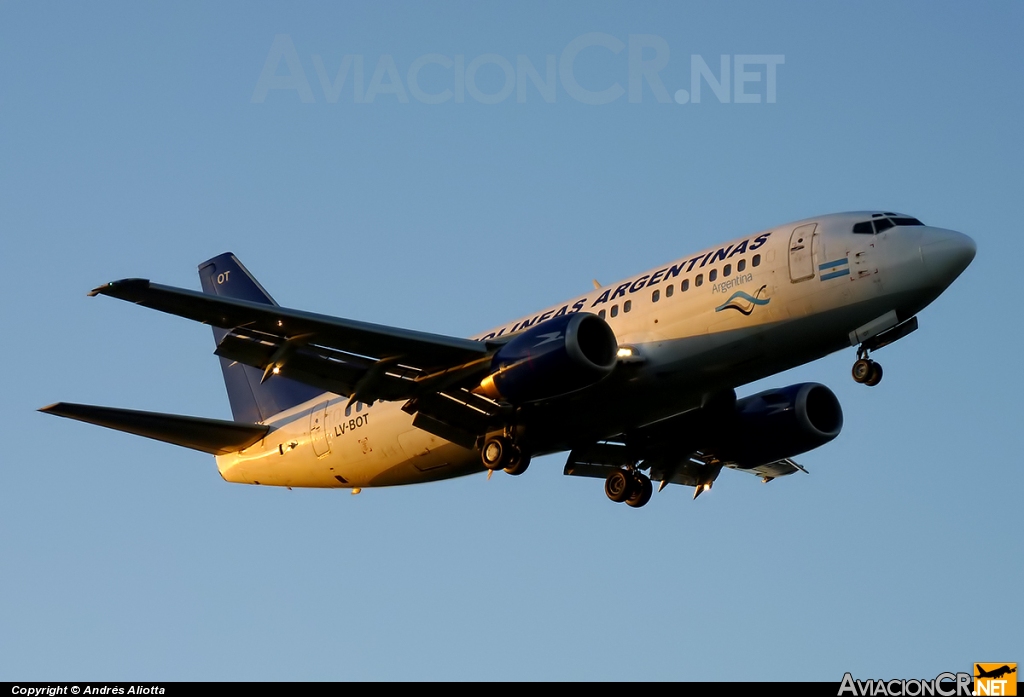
(629, 354)
(276, 371)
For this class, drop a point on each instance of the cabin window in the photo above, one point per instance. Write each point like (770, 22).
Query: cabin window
(348, 409)
(699, 281)
(756, 261)
(685, 285)
(712, 275)
(359, 407)
(601, 314)
(615, 310)
(669, 291)
(727, 270)
(655, 296)
(740, 265)
(627, 306)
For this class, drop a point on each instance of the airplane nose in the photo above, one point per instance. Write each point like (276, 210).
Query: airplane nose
(946, 254)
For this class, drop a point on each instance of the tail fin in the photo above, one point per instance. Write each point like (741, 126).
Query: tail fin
(250, 399)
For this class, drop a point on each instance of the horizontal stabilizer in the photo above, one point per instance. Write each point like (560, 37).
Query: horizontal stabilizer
(212, 436)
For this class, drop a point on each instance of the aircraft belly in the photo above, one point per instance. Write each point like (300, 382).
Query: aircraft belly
(446, 461)
(385, 450)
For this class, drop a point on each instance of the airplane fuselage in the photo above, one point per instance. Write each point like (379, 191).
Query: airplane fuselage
(722, 318)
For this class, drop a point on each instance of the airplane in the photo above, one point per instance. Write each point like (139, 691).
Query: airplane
(996, 673)
(636, 380)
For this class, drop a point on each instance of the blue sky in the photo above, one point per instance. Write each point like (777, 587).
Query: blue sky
(133, 142)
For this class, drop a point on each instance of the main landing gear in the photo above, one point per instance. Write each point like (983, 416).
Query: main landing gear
(629, 486)
(865, 370)
(501, 453)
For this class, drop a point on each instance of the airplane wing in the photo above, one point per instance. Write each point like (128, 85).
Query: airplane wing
(358, 359)
(599, 459)
(771, 470)
(698, 468)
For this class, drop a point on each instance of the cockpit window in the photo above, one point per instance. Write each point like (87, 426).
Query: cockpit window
(882, 223)
(906, 221)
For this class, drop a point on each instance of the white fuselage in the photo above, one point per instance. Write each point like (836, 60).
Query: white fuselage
(717, 319)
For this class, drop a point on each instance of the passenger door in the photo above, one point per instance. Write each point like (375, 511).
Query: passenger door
(801, 252)
(318, 429)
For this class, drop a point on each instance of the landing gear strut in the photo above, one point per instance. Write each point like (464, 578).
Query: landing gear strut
(630, 487)
(501, 453)
(865, 370)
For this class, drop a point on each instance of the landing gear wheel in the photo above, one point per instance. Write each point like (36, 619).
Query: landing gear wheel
(876, 375)
(642, 491)
(862, 370)
(619, 485)
(496, 453)
(518, 464)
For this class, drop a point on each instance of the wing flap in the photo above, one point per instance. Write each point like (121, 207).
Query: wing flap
(596, 460)
(771, 470)
(459, 409)
(212, 436)
(608, 455)
(330, 371)
(687, 473)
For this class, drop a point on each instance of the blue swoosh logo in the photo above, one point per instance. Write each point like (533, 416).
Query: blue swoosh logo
(743, 303)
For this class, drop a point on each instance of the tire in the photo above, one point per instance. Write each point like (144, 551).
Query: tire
(495, 453)
(862, 370)
(519, 465)
(618, 486)
(876, 375)
(643, 489)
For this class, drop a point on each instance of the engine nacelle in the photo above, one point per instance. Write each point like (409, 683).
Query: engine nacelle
(561, 355)
(780, 423)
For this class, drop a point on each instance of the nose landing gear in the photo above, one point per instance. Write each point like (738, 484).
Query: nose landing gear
(865, 370)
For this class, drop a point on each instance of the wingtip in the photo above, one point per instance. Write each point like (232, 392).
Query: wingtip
(113, 287)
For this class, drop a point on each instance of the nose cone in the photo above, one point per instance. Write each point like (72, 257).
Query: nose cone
(946, 254)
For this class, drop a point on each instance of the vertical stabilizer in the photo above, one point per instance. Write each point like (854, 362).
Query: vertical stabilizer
(250, 400)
